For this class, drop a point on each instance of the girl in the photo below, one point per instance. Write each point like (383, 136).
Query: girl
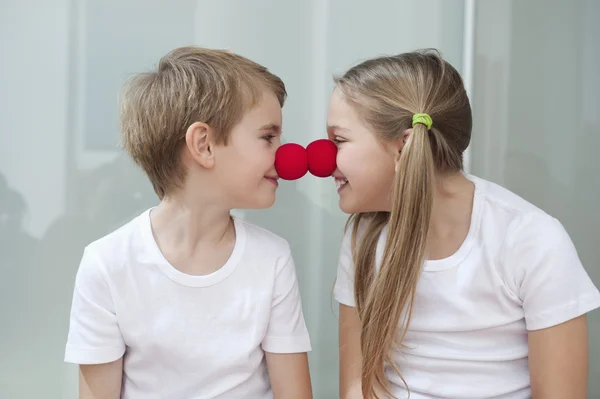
(449, 286)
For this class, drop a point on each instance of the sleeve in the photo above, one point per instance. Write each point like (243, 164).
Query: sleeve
(286, 332)
(343, 290)
(549, 279)
(94, 336)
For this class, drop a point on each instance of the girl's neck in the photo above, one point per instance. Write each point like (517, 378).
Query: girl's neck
(451, 215)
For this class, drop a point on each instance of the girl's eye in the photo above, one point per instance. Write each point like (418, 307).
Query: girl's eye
(338, 140)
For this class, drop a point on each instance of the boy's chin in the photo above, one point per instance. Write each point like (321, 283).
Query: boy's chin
(266, 204)
(259, 203)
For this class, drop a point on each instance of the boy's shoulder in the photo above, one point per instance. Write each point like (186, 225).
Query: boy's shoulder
(261, 239)
(117, 246)
(133, 244)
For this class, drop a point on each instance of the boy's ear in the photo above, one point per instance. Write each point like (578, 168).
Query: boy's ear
(200, 144)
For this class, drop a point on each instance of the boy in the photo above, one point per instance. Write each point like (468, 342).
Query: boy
(185, 301)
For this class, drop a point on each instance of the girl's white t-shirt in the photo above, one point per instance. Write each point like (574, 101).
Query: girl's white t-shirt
(516, 271)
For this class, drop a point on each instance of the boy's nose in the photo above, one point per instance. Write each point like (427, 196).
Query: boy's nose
(292, 161)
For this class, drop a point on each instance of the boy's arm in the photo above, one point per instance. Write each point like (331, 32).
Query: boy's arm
(101, 381)
(289, 375)
(94, 340)
(286, 340)
(350, 353)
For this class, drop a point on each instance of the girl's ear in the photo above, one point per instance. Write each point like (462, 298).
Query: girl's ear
(399, 145)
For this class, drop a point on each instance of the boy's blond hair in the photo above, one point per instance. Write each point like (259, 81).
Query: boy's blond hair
(191, 84)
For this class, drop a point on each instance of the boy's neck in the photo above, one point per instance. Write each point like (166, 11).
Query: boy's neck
(188, 229)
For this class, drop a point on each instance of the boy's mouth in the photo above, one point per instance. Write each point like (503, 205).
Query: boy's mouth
(273, 179)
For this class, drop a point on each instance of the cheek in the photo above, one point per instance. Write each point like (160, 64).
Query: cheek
(269, 153)
(383, 176)
(256, 160)
(371, 176)
(262, 157)
(360, 163)
(348, 160)
(234, 167)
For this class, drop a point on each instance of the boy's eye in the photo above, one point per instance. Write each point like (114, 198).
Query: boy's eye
(269, 137)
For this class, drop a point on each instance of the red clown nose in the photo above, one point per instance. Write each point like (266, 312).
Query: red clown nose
(292, 161)
(321, 156)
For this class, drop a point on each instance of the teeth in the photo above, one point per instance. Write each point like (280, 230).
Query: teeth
(339, 182)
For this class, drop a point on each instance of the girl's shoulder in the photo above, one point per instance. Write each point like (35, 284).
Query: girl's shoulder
(523, 242)
(500, 212)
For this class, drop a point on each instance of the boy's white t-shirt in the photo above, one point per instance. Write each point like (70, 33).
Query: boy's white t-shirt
(183, 336)
(516, 271)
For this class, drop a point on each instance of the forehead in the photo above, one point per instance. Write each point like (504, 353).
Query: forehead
(263, 117)
(266, 111)
(268, 104)
(341, 115)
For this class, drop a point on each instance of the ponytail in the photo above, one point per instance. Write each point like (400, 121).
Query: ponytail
(385, 92)
(385, 299)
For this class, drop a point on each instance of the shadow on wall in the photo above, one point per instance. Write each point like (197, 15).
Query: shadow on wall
(523, 168)
(38, 275)
(20, 288)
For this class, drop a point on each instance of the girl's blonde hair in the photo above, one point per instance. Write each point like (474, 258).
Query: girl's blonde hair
(386, 92)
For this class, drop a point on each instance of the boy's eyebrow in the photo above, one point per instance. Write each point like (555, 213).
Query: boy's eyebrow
(271, 126)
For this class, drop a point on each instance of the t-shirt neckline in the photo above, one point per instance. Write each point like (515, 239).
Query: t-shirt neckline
(467, 245)
(186, 279)
(463, 251)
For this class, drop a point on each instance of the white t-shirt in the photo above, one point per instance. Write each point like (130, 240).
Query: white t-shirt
(517, 270)
(183, 336)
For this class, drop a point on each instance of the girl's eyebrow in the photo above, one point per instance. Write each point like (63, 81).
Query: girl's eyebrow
(333, 128)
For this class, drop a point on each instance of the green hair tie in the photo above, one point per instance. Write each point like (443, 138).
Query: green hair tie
(422, 118)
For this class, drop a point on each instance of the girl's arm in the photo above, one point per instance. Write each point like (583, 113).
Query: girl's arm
(101, 381)
(350, 354)
(558, 360)
(544, 272)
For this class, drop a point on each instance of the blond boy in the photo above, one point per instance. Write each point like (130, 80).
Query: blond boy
(186, 301)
